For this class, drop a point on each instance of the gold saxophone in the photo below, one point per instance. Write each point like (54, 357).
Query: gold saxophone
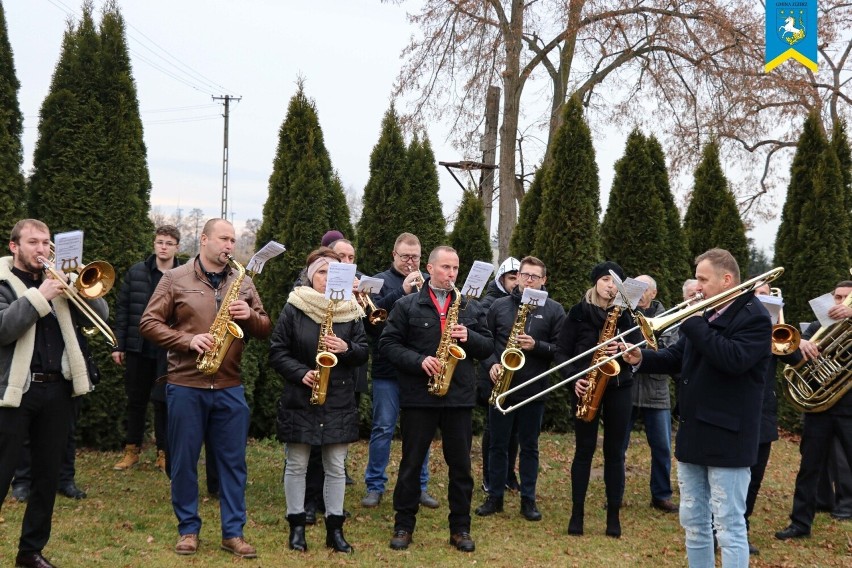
(512, 357)
(224, 330)
(325, 359)
(587, 407)
(449, 353)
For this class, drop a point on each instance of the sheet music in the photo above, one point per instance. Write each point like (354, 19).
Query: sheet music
(68, 248)
(533, 297)
(370, 284)
(773, 305)
(630, 290)
(477, 278)
(820, 306)
(338, 286)
(269, 250)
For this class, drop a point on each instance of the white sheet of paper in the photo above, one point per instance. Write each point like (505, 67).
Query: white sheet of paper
(269, 250)
(339, 284)
(370, 284)
(69, 250)
(820, 306)
(533, 297)
(773, 305)
(635, 289)
(477, 278)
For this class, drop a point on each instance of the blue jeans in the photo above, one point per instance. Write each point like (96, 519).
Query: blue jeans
(528, 420)
(714, 497)
(385, 414)
(658, 432)
(222, 417)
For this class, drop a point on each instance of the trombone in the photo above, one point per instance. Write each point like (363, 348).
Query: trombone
(648, 326)
(93, 281)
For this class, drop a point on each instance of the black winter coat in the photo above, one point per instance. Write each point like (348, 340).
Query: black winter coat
(391, 291)
(723, 365)
(543, 324)
(292, 353)
(413, 332)
(136, 289)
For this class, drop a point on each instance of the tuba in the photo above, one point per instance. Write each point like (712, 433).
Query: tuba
(325, 359)
(598, 376)
(449, 352)
(816, 385)
(224, 330)
(512, 357)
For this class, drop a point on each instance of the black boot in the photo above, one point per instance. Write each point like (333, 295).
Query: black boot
(575, 525)
(297, 532)
(613, 524)
(491, 505)
(529, 510)
(334, 534)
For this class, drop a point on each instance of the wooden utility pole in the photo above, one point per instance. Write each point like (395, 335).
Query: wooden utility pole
(227, 99)
(489, 152)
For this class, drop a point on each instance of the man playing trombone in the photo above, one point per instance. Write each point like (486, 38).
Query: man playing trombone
(43, 364)
(722, 357)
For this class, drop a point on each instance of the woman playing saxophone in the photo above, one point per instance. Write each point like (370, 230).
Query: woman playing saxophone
(581, 330)
(332, 425)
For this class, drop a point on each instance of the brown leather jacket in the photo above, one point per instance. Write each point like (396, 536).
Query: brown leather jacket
(184, 305)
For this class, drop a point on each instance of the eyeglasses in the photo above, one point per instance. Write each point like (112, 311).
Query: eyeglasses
(165, 244)
(408, 257)
(530, 277)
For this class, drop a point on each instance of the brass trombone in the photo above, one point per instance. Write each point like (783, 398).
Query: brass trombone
(648, 326)
(374, 315)
(785, 337)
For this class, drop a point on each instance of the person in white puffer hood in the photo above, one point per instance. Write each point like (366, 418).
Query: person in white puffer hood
(504, 282)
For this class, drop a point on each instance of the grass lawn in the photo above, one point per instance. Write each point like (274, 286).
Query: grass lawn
(127, 519)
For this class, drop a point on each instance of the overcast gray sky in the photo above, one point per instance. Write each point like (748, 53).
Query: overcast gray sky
(185, 51)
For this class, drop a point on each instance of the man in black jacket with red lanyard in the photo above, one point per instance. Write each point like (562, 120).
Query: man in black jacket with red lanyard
(410, 341)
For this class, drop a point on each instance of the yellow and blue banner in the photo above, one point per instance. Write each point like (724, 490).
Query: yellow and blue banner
(791, 33)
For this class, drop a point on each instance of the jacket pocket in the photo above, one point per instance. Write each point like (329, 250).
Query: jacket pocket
(719, 431)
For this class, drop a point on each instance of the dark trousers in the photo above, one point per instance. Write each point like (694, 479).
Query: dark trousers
(44, 418)
(140, 373)
(418, 427)
(834, 491)
(820, 428)
(757, 471)
(67, 471)
(615, 410)
(314, 480)
(486, 444)
(527, 421)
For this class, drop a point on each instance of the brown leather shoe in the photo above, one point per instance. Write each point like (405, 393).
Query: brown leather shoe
(664, 505)
(187, 544)
(401, 539)
(239, 547)
(32, 560)
(463, 541)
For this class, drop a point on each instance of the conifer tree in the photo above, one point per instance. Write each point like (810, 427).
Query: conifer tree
(840, 143)
(469, 237)
(385, 198)
(296, 214)
(712, 218)
(426, 218)
(567, 233)
(338, 209)
(807, 244)
(634, 222)
(523, 237)
(12, 196)
(674, 248)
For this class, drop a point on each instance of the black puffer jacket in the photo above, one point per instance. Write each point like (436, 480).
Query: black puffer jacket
(543, 324)
(391, 291)
(138, 284)
(413, 332)
(292, 353)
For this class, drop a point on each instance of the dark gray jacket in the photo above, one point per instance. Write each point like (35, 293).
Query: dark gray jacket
(652, 390)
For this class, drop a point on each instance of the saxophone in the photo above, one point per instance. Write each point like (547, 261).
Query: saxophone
(512, 357)
(587, 407)
(224, 330)
(325, 359)
(449, 353)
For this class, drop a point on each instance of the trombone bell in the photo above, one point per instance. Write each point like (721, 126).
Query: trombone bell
(95, 280)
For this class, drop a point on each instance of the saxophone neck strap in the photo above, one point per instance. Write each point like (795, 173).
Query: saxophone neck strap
(442, 310)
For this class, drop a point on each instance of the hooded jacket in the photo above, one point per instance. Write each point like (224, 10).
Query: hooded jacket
(495, 288)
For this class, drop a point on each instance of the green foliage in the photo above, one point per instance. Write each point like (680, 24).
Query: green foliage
(12, 196)
(90, 172)
(385, 198)
(634, 228)
(814, 259)
(469, 236)
(674, 247)
(840, 144)
(713, 206)
(305, 200)
(567, 232)
(427, 220)
(523, 237)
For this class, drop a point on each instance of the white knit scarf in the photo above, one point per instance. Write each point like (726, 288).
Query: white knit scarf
(315, 305)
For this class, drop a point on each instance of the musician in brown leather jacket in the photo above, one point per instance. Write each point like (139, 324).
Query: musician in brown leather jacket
(179, 317)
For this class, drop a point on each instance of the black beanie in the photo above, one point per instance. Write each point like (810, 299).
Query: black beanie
(603, 269)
